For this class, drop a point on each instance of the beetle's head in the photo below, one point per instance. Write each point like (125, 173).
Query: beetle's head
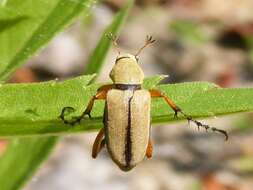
(127, 70)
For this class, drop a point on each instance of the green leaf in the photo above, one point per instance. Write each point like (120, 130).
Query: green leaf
(202, 99)
(153, 81)
(35, 109)
(100, 52)
(17, 164)
(26, 26)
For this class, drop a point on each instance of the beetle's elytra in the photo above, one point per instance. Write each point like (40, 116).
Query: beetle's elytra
(126, 131)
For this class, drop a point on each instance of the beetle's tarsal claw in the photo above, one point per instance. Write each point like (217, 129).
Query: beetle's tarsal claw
(74, 120)
(68, 110)
(221, 131)
(63, 114)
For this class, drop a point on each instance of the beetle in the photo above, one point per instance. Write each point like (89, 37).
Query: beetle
(126, 131)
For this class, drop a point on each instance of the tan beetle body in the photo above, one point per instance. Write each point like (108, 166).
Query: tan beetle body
(126, 131)
(127, 115)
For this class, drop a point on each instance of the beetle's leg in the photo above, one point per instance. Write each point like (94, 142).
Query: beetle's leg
(98, 143)
(101, 94)
(149, 151)
(157, 93)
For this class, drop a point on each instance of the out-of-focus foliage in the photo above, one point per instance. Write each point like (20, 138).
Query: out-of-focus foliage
(26, 26)
(187, 31)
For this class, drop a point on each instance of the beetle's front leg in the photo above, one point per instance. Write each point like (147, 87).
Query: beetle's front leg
(101, 94)
(157, 93)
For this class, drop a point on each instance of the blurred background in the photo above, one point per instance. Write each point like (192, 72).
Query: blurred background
(197, 40)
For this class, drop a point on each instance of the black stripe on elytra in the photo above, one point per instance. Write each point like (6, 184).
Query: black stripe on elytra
(105, 117)
(128, 145)
(128, 86)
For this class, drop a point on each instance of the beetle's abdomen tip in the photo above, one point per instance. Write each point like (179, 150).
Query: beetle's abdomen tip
(126, 168)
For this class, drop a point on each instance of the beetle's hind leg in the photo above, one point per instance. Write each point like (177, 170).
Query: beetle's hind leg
(149, 151)
(157, 93)
(99, 143)
(206, 127)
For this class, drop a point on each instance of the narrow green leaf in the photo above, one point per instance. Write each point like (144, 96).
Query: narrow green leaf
(41, 101)
(152, 82)
(100, 52)
(202, 99)
(36, 107)
(26, 26)
(17, 164)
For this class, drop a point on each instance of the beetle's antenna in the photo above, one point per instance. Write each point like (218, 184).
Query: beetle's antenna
(114, 39)
(149, 40)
